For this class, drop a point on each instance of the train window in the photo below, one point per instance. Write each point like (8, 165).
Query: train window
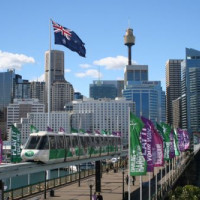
(119, 141)
(102, 141)
(74, 141)
(60, 142)
(88, 141)
(52, 142)
(97, 141)
(93, 143)
(33, 142)
(67, 141)
(105, 141)
(83, 141)
(43, 143)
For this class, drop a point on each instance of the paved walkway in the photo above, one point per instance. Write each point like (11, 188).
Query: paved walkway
(111, 187)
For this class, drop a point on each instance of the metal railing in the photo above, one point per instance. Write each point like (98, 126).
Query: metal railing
(39, 187)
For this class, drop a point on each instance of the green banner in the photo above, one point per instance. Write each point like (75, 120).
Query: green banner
(164, 131)
(138, 165)
(177, 152)
(33, 129)
(15, 145)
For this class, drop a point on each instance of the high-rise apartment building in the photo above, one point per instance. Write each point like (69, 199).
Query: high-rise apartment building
(19, 109)
(38, 91)
(40, 120)
(190, 91)
(106, 114)
(62, 93)
(173, 86)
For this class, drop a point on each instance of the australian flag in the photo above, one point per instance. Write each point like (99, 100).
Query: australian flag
(68, 38)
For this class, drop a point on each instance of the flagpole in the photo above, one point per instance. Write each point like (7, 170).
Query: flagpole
(169, 172)
(129, 154)
(49, 76)
(161, 180)
(156, 184)
(149, 186)
(140, 187)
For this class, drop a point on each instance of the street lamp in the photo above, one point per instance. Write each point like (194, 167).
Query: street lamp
(122, 183)
(90, 184)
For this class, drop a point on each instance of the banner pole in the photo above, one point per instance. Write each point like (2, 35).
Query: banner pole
(49, 76)
(161, 180)
(140, 187)
(129, 154)
(149, 186)
(169, 171)
(156, 183)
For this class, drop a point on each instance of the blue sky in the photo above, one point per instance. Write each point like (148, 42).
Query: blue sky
(163, 29)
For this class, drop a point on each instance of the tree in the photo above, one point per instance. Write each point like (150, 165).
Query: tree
(190, 192)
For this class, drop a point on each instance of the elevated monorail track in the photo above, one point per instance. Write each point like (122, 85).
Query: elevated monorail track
(12, 170)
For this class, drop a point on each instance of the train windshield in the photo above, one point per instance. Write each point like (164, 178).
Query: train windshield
(32, 142)
(43, 144)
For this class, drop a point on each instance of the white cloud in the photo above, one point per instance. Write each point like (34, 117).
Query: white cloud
(120, 78)
(67, 70)
(89, 73)
(85, 66)
(11, 60)
(118, 62)
(40, 78)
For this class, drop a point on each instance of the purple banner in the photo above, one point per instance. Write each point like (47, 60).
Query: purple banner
(186, 139)
(147, 142)
(62, 129)
(158, 153)
(49, 129)
(181, 145)
(172, 150)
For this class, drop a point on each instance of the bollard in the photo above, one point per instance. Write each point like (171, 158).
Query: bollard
(51, 193)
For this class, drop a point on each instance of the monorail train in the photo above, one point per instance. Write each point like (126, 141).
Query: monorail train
(49, 147)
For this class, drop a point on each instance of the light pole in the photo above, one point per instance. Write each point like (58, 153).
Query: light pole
(122, 183)
(90, 184)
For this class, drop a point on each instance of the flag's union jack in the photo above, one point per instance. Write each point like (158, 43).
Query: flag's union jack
(64, 31)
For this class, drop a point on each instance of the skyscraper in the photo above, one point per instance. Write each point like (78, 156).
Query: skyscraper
(62, 93)
(173, 86)
(57, 66)
(61, 90)
(38, 91)
(190, 91)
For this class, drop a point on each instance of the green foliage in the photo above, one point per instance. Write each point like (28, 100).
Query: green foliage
(188, 192)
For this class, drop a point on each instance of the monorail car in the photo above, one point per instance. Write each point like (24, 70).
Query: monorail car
(49, 147)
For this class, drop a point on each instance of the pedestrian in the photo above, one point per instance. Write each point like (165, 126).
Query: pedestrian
(127, 179)
(99, 196)
(133, 180)
(94, 196)
(107, 170)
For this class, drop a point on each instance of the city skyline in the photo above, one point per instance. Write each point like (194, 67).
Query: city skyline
(162, 29)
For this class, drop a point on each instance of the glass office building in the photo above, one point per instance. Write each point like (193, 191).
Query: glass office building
(148, 95)
(99, 90)
(190, 79)
(6, 89)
